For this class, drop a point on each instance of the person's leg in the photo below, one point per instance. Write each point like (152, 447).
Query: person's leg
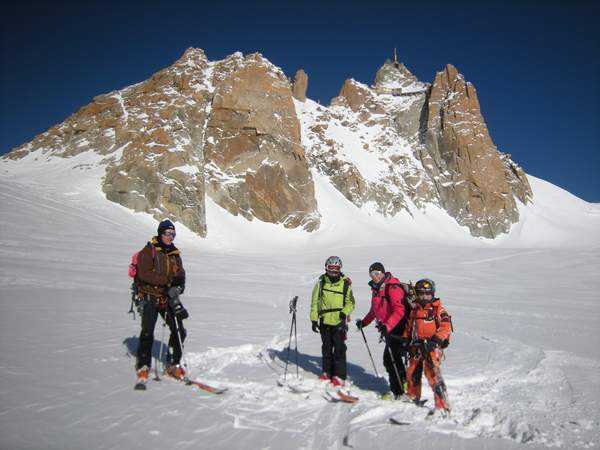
(436, 381)
(396, 387)
(339, 353)
(144, 351)
(413, 375)
(327, 349)
(175, 350)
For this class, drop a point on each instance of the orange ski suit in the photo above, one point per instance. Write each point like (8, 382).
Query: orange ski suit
(427, 323)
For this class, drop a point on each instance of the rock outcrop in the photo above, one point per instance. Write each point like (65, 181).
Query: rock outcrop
(300, 85)
(239, 132)
(394, 75)
(464, 162)
(255, 161)
(226, 129)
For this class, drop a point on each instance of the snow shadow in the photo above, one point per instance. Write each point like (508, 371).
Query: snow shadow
(312, 364)
(131, 343)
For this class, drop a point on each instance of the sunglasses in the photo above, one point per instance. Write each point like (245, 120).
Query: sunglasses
(332, 268)
(374, 273)
(170, 233)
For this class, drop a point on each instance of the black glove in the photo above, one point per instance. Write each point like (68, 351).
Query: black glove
(175, 304)
(343, 316)
(431, 344)
(179, 281)
(315, 326)
(359, 324)
(404, 342)
(382, 329)
(174, 291)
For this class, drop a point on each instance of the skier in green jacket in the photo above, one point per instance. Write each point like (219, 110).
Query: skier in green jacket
(330, 309)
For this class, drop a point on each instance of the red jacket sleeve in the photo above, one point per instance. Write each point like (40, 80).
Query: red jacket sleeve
(369, 317)
(396, 295)
(445, 328)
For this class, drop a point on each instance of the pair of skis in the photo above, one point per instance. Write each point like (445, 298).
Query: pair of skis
(332, 395)
(432, 414)
(141, 385)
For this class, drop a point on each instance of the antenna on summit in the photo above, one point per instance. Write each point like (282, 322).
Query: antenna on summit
(395, 58)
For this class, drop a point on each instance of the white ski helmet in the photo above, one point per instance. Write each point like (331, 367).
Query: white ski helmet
(334, 264)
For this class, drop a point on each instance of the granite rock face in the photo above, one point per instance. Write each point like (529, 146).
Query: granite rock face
(300, 85)
(256, 164)
(239, 132)
(225, 129)
(461, 158)
(151, 134)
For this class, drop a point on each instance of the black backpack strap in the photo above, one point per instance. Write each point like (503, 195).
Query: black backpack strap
(320, 302)
(321, 287)
(154, 258)
(345, 291)
(399, 328)
(387, 289)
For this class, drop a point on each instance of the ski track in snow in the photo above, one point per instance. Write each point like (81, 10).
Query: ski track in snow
(522, 367)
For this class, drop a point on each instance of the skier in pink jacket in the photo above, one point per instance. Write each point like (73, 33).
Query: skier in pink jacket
(390, 308)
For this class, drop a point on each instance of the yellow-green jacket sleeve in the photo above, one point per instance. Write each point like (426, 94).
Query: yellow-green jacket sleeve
(314, 304)
(349, 307)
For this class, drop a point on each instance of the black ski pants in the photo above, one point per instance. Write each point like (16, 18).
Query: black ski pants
(398, 351)
(333, 350)
(149, 318)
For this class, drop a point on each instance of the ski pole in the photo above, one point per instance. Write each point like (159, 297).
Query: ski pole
(159, 359)
(369, 350)
(400, 382)
(295, 342)
(183, 355)
(292, 306)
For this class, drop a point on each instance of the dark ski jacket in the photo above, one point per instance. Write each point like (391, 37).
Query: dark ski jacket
(158, 268)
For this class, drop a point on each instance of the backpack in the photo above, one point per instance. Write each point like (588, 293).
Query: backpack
(347, 283)
(132, 272)
(133, 265)
(134, 261)
(409, 293)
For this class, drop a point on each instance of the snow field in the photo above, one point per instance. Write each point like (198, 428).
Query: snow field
(522, 367)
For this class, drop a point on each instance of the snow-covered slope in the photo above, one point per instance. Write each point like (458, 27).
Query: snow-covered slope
(522, 367)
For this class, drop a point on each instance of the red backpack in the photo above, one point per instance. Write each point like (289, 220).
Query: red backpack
(133, 274)
(134, 261)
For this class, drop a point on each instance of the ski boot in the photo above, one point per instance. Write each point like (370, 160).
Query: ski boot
(175, 371)
(337, 382)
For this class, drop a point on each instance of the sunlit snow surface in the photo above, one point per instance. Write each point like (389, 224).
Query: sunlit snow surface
(523, 366)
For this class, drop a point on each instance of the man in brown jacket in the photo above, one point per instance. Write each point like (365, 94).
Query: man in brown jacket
(160, 279)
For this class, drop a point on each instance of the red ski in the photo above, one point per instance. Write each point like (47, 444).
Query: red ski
(345, 397)
(340, 396)
(204, 387)
(198, 384)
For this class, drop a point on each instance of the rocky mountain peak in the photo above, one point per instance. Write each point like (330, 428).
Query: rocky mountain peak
(300, 85)
(193, 57)
(240, 133)
(394, 78)
(471, 176)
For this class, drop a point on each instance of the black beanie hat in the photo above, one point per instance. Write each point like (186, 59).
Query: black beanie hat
(376, 266)
(164, 226)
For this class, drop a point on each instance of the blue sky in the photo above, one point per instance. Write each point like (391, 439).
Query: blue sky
(535, 65)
